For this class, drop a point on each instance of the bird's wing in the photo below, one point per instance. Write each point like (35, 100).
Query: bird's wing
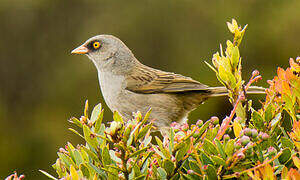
(147, 80)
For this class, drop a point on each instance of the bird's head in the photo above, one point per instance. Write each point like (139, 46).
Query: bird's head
(107, 52)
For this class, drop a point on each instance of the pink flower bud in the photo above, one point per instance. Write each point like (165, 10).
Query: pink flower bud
(173, 159)
(226, 137)
(190, 171)
(245, 140)
(254, 133)
(272, 150)
(199, 123)
(241, 155)
(62, 150)
(265, 136)
(247, 132)
(214, 120)
(255, 73)
(185, 127)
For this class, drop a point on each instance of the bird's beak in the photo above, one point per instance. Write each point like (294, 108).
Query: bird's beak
(80, 50)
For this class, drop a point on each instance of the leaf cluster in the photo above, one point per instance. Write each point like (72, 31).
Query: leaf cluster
(257, 146)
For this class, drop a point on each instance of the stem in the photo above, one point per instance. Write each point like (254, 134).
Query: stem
(247, 107)
(225, 124)
(124, 164)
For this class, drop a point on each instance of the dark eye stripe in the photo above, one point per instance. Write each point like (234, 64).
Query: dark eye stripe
(90, 46)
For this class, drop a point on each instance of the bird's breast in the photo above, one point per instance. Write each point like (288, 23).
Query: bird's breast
(112, 87)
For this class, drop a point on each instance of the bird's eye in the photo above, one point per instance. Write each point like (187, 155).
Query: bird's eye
(96, 45)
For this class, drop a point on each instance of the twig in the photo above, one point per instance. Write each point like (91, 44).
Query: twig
(247, 107)
(225, 124)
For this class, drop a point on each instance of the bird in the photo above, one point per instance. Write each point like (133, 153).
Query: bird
(129, 86)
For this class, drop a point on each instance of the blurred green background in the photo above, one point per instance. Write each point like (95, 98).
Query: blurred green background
(42, 84)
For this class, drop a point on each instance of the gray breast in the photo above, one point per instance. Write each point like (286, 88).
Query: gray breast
(111, 88)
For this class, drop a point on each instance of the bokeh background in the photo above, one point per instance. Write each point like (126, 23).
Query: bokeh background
(42, 84)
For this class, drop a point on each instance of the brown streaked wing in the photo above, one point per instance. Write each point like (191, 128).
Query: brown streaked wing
(147, 80)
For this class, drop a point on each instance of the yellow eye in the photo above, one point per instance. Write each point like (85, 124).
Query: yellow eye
(96, 45)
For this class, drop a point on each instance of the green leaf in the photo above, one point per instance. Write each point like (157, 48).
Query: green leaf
(147, 140)
(229, 148)
(143, 131)
(158, 152)
(194, 165)
(96, 113)
(76, 121)
(175, 177)
(168, 165)
(268, 113)
(223, 74)
(285, 156)
(182, 151)
(85, 170)
(159, 143)
(91, 154)
(212, 133)
(205, 158)
(210, 66)
(74, 131)
(73, 173)
(140, 177)
(285, 142)
(220, 148)
(114, 157)
(112, 173)
(172, 134)
(235, 57)
(89, 136)
(117, 117)
(203, 129)
(106, 156)
(136, 171)
(209, 147)
(231, 27)
(131, 136)
(97, 170)
(66, 159)
(237, 128)
(146, 117)
(114, 167)
(231, 79)
(85, 155)
(218, 160)
(211, 172)
(161, 147)
(274, 122)
(86, 107)
(257, 120)
(138, 152)
(99, 124)
(144, 163)
(70, 147)
(48, 175)
(289, 102)
(60, 168)
(77, 157)
(162, 174)
(240, 112)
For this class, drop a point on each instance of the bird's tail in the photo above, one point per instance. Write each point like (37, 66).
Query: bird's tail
(222, 91)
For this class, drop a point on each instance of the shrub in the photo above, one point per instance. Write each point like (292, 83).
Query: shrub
(260, 147)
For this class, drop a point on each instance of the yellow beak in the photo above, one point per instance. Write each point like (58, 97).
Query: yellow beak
(80, 50)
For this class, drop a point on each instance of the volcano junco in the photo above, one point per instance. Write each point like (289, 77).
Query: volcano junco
(129, 86)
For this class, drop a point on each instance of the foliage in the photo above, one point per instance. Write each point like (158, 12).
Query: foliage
(260, 146)
(15, 177)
